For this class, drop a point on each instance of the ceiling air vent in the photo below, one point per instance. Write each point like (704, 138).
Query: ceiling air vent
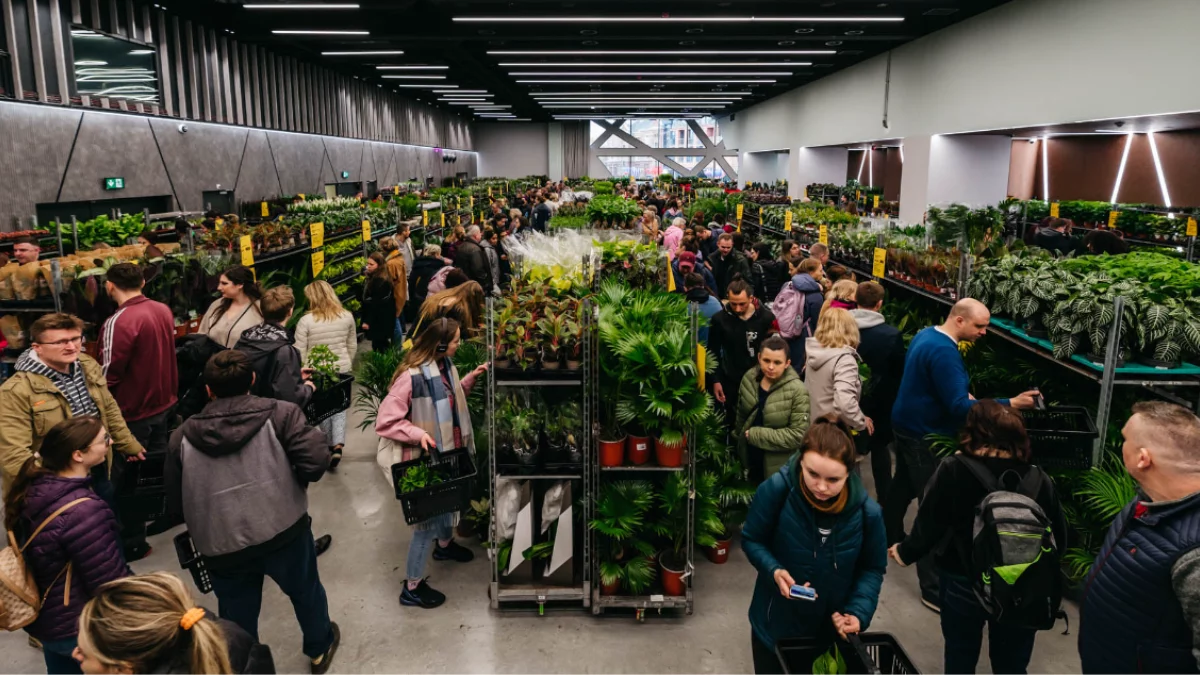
(940, 11)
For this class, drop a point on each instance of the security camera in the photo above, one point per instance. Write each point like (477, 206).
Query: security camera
(183, 128)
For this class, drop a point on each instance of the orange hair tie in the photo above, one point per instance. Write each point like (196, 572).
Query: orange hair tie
(190, 618)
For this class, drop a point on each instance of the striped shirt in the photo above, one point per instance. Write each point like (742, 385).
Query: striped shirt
(72, 384)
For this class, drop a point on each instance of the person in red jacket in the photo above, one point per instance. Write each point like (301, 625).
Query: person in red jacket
(137, 353)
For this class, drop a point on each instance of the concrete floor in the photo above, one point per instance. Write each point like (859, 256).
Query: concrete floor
(363, 571)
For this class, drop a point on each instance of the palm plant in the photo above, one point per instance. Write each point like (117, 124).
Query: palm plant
(621, 509)
(1102, 492)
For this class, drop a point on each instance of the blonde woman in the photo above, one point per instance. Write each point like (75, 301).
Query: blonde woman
(834, 386)
(649, 225)
(150, 624)
(328, 323)
(841, 295)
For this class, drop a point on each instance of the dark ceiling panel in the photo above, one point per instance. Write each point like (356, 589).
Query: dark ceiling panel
(591, 37)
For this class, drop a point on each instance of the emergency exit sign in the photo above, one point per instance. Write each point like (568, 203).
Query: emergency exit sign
(114, 183)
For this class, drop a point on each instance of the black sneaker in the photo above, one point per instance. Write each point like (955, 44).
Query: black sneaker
(323, 543)
(453, 552)
(320, 665)
(422, 596)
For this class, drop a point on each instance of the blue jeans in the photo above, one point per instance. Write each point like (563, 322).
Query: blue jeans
(398, 335)
(422, 542)
(294, 569)
(963, 618)
(58, 656)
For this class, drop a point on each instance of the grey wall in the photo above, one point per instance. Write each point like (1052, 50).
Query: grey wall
(763, 167)
(50, 154)
(513, 149)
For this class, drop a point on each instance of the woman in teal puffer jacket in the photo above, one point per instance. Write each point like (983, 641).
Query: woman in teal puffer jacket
(773, 410)
(813, 524)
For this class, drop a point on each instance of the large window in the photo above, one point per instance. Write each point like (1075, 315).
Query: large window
(643, 148)
(110, 67)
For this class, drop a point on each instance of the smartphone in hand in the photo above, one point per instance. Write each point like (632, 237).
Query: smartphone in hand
(799, 592)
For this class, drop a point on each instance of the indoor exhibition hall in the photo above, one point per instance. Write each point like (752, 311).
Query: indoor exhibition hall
(721, 336)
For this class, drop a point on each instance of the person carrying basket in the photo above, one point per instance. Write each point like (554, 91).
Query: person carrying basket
(425, 413)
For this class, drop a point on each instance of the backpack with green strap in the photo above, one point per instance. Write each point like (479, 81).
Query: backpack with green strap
(1015, 558)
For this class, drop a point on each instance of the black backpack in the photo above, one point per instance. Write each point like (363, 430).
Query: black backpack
(1015, 560)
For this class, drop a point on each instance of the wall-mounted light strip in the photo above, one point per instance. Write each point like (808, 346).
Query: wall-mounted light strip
(1046, 168)
(321, 32)
(870, 167)
(392, 52)
(654, 64)
(412, 67)
(550, 73)
(1162, 177)
(728, 81)
(307, 5)
(678, 19)
(901, 153)
(1121, 168)
(661, 52)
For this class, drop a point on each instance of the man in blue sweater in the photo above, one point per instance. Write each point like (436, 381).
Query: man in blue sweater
(933, 398)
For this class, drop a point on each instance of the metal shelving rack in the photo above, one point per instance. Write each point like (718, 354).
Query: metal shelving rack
(652, 601)
(537, 592)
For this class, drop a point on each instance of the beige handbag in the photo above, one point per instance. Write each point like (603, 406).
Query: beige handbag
(19, 600)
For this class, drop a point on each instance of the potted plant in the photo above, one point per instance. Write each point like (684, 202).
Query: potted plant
(476, 520)
(621, 509)
(552, 329)
(561, 424)
(516, 436)
(673, 525)
(733, 491)
(612, 438)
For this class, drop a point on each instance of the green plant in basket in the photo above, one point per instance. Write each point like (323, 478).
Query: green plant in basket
(324, 364)
(419, 477)
(830, 663)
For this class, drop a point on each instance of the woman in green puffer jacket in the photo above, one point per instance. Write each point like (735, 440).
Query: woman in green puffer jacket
(773, 411)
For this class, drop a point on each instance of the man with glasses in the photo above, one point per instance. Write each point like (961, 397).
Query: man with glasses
(56, 381)
(734, 337)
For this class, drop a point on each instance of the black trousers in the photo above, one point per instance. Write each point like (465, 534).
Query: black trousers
(915, 464)
(152, 433)
(765, 661)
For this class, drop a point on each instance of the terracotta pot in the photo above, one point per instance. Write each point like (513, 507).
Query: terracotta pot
(669, 454)
(719, 554)
(610, 589)
(637, 449)
(550, 364)
(673, 582)
(612, 453)
(573, 365)
(181, 330)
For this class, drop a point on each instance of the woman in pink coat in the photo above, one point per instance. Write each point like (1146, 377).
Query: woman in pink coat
(674, 235)
(425, 411)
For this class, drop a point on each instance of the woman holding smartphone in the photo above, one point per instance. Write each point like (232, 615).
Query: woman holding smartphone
(812, 525)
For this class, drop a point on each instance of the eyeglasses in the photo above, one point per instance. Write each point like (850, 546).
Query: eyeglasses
(77, 340)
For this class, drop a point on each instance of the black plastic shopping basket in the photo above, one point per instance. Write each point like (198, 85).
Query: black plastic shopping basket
(1061, 437)
(863, 653)
(451, 495)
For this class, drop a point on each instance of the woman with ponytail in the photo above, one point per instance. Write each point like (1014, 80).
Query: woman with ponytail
(68, 534)
(149, 624)
(812, 524)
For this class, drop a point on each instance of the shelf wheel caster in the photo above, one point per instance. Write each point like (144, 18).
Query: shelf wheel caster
(640, 617)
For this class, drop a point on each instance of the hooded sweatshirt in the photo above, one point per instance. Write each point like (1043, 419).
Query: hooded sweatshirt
(834, 385)
(881, 347)
(736, 341)
(237, 473)
(276, 364)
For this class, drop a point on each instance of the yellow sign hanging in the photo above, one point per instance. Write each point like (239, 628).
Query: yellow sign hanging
(442, 218)
(247, 246)
(879, 268)
(266, 211)
(1112, 219)
(366, 225)
(1054, 210)
(316, 235)
(395, 189)
(489, 190)
(301, 196)
(787, 220)
(670, 275)
(740, 208)
(425, 218)
(472, 202)
(823, 237)
(701, 357)
(318, 262)
(760, 210)
(1191, 227)
(876, 201)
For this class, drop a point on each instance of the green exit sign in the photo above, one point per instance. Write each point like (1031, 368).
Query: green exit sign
(114, 183)
(345, 174)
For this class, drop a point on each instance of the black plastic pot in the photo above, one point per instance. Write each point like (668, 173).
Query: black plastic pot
(1155, 363)
(521, 460)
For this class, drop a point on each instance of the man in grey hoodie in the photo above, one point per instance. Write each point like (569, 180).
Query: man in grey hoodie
(881, 347)
(237, 472)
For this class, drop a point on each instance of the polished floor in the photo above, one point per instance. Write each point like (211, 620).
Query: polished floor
(363, 571)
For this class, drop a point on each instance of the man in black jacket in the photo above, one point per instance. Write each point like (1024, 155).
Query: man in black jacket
(278, 366)
(540, 217)
(1055, 237)
(237, 472)
(727, 263)
(881, 347)
(473, 260)
(734, 338)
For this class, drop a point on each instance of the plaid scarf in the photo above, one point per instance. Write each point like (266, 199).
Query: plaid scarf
(432, 411)
(72, 384)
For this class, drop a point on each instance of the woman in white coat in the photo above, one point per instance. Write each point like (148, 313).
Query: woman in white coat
(831, 370)
(328, 323)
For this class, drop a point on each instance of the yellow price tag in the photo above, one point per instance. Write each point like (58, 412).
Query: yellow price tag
(1112, 219)
(876, 201)
(489, 190)
(670, 275)
(366, 225)
(879, 268)
(318, 262)
(472, 202)
(442, 217)
(1191, 227)
(740, 208)
(805, 193)
(247, 246)
(316, 235)
(823, 237)
(425, 218)
(787, 220)
(760, 210)
(301, 196)
(395, 189)
(858, 195)
(701, 357)
(266, 212)
(1054, 210)
(219, 222)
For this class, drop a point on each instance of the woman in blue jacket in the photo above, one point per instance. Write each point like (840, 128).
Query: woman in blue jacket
(813, 524)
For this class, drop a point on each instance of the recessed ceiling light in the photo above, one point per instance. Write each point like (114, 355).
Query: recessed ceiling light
(412, 67)
(786, 43)
(424, 86)
(309, 5)
(694, 31)
(589, 43)
(413, 77)
(456, 90)
(626, 105)
(833, 43)
(139, 52)
(365, 53)
(679, 19)
(804, 31)
(513, 119)
(854, 32)
(588, 32)
(90, 62)
(687, 43)
(657, 52)
(321, 32)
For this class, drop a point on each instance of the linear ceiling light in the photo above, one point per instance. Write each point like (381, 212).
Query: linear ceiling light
(1121, 168)
(321, 32)
(658, 52)
(720, 94)
(423, 86)
(306, 5)
(393, 52)
(414, 77)
(860, 165)
(464, 91)
(654, 64)
(632, 105)
(513, 119)
(1162, 177)
(726, 80)
(1045, 168)
(679, 19)
(637, 100)
(540, 73)
(412, 67)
